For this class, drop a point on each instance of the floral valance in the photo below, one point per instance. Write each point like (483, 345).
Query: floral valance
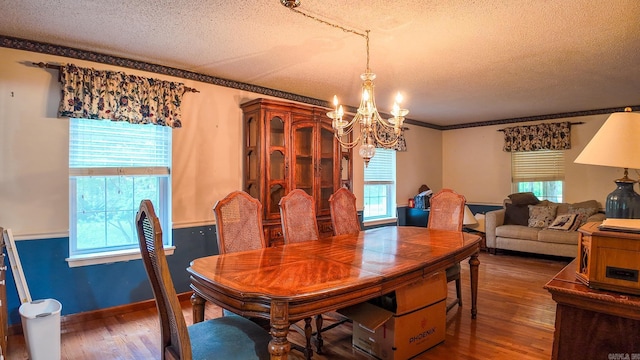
(549, 136)
(113, 95)
(386, 134)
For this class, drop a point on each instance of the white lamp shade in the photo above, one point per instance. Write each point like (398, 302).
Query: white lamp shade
(468, 219)
(616, 144)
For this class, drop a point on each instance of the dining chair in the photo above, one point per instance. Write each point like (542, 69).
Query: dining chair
(344, 215)
(228, 337)
(239, 223)
(298, 215)
(447, 213)
(239, 228)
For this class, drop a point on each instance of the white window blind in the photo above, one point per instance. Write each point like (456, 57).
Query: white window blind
(103, 143)
(382, 167)
(529, 166)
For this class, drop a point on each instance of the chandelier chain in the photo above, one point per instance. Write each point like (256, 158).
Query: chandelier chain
(330, 24)
(365, 35)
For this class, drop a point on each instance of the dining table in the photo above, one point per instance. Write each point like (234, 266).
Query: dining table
(288, 283)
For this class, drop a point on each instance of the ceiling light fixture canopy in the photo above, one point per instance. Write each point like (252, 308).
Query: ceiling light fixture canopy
(374, 130)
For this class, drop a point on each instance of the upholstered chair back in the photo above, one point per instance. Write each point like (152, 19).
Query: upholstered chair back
(239, 223)
(298, 215)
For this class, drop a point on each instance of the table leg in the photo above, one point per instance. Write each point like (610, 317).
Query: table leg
(279, 346)
(197, 306)
(319, 339)
(473, 267)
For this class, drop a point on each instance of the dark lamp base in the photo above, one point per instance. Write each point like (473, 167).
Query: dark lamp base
(623, 202)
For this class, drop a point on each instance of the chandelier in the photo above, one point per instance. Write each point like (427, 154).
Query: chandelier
(374, 131)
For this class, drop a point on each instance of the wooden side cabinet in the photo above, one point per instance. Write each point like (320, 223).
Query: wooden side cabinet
(609, 260)
(291, 146)
(591, 323)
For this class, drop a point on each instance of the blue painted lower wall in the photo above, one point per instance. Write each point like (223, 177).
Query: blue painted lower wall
(95, 287)
(418, 217)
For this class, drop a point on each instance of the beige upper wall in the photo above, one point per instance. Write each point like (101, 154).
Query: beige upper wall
(475, 165)
(207, 150)
(34, 191)
(207, 153)
(420, 164)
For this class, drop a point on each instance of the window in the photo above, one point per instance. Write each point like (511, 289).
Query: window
(380, 186)
(113, 165)
(540, 172)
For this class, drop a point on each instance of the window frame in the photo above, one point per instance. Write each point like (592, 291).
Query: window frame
(161, 174)
(381, 178)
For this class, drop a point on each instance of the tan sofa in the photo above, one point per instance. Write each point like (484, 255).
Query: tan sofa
(541, 239)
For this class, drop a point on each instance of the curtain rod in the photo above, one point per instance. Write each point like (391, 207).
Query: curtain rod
(573, 123)
(57, 67)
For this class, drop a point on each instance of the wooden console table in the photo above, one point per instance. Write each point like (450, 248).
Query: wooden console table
(593, 324)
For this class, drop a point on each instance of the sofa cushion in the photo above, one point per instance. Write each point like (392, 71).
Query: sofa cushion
(517, 232)
(592, 204)
(563, 208)
(559, 237)
(523, 198)
(584, 210)
(541, 216)
(516, 214)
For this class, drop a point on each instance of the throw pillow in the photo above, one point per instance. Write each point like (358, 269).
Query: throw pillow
(541, 216)
(563, 222)
(579, 222)
(524, 198)
(582, 212)
(516, 214)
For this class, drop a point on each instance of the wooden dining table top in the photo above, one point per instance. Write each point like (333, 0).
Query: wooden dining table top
(290, 282)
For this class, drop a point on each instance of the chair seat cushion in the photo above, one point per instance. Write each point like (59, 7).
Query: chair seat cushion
(453, 272)
(228, 337)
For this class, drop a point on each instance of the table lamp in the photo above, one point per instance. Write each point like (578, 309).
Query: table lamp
(469, 219)
(617, 144)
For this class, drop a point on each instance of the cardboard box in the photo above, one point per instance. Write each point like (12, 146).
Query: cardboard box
(404, 323)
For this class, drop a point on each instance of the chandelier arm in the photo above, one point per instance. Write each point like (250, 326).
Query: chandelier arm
(386, 144)
(347, 144)
(351, 123)
(379, 120)
(348, 130)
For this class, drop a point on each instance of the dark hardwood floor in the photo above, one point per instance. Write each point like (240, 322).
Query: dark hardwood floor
(515, 321)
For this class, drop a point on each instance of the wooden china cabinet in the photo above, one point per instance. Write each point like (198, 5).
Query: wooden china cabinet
(291, 146)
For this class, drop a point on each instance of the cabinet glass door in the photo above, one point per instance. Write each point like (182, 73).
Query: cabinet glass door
(252, 156)
(276, 171)
(303, 146)
(326, 167)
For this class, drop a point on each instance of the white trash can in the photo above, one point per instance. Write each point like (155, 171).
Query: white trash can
(41, 327)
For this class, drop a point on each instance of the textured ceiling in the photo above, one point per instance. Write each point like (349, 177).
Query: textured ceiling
(456, 62)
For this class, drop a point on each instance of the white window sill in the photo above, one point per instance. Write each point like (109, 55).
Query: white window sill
(110, 257)
(380, 221)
